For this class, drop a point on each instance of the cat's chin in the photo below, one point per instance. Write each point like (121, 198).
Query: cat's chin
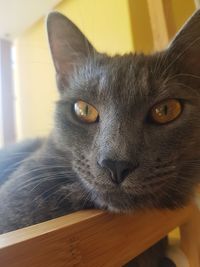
(113, 209)
(116, 201)
(121, 202)
(106, 199)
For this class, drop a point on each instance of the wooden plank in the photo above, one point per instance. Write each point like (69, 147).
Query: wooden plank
(158, 24)
(88, 238)
(140, 26)
(197, 3)
(162, 24)
(169, 19)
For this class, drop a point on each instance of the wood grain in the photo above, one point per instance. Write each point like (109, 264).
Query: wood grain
(88, 238)
(162, 23)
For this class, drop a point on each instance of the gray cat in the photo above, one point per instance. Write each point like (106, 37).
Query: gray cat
(126, 135)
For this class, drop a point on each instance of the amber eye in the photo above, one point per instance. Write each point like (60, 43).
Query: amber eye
(166, 111)
(85, 112)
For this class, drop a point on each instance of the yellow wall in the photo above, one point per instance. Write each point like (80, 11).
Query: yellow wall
(182, 9)
(106, 24)
(176, 11)
(34, 84)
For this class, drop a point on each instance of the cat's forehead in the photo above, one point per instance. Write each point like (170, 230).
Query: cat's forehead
(120, 78)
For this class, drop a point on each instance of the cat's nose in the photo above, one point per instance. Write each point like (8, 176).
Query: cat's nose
(119, 170)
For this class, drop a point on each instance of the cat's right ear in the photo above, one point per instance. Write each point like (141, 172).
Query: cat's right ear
(184, 49)
(69, 47)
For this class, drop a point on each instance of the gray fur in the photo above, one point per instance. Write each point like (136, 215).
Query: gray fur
(63, 175)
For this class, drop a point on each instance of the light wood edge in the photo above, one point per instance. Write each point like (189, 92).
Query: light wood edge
(27, 233)
(112, 240)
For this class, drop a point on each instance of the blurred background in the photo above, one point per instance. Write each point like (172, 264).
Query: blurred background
(27, 86)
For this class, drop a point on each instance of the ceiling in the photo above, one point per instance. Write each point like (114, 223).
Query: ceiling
(18, 15)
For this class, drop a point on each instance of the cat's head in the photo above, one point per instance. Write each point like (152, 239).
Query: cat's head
(132, 122)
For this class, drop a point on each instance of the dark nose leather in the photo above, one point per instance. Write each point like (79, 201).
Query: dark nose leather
(119, 170)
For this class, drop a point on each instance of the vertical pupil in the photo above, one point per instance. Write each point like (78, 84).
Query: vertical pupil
(86, 109)
(165, 109)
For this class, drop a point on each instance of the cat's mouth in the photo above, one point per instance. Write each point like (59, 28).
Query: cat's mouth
(121, 200)
(126, 197)
(145, 188)
(136, 184)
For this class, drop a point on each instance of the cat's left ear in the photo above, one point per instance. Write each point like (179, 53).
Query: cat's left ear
(69, 47)
(184, 50)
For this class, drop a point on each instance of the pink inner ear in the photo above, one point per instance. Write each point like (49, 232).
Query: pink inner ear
(68, 44)
(60, 56)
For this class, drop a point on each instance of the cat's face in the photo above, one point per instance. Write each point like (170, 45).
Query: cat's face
(125, 158)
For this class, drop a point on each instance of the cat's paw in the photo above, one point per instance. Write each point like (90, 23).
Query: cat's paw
(166, 262)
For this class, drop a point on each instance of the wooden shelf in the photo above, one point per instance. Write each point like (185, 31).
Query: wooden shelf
(88, 238)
